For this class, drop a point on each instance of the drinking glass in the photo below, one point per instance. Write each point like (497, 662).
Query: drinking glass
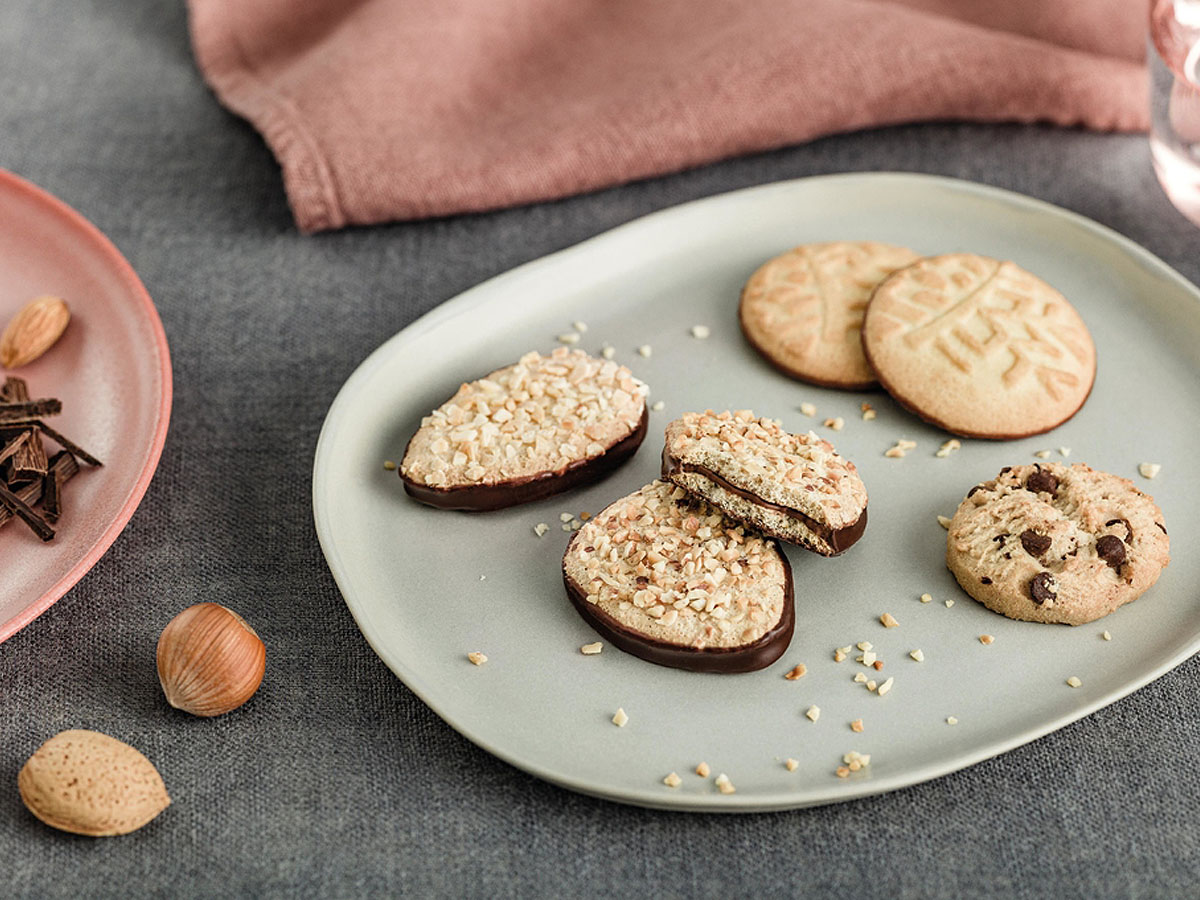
(1174, 59)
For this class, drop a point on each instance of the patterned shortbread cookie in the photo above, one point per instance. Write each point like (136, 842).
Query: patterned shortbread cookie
(979, 347)
(1052, 543)
(668, 578)
(524, 432)
(803, 310)
(791, 486)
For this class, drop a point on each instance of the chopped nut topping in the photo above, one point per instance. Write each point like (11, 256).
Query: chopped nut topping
(917, 655)
(541, 414)
(948, 447)
(871, 685)
(837, 424)
(569, 338)
(857, 725)
(838, 655)
(852, 762)
(808, 409)
(894, 453)
(1042, 454)
(1065, 451)
(702, 770)
(865, 645)
(540, 529)
(860, 677)
(644, 350)
(986, 639)
(477, 658)
(886, 686)
(791, 764)
(951, 720)
(608, 351)
(1106, 636)
(673, 780)
(813, 713)
(949, 603)
(798, 672)
(926, 598)
(581, 327)
(724, 785)
(658, 406)
(620, 719)
(389, 465)
(565, 517)
(842, 772)
(1074, 682)
(591, 649)
(867, 659)
(700, 331)
(1149, 470)
(944, 521)
(888, 620)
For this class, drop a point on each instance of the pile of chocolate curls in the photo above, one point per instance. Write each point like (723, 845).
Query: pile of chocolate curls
(31, 481)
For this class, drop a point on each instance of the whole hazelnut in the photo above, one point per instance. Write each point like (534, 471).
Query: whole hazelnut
(209, 660)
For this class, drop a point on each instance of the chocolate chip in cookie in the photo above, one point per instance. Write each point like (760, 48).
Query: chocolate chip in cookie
(1043, 588)
(1035, 544)
(1110, 549)
(1041, 481)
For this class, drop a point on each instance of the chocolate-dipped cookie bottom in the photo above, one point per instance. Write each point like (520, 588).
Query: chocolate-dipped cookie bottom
(502, 494)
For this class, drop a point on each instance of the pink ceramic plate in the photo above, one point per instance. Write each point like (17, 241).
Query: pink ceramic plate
(112, 372)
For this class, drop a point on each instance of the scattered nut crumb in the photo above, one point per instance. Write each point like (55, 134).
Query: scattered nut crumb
(483, 578)
(1042, 454)
(581, 327)
(591, 649)
(944, 521)
(565, 517)
(949, 603)
(620, 718)
(477, 658)
(852, 762)
(841, 772)
(906, 445)
(986, 639)
(837, 424)
(871, 685)
(657, 406)
(673, 780)
(702, 770)
(608, 351)
(917, 655)
(860, 677)
(1065, 451)
(856, 726)
(926, 598)
(951, 720)
(644, 350)
(886, 686)
(868, 411)
(948, 447)
(864, 646)
(808, 409)
(584, 516)
(570, 337)
(724, 785)
(1106, 636)
(877, 665)
(566, 526)
(813, 713)
(700, 331)
(389, 465)
(791, 764)
(888, 620)
(893, 453)
(838, 655)
(1074, 682)
(867, 659)
(798, 672)
(1149, 470)
(540, 529)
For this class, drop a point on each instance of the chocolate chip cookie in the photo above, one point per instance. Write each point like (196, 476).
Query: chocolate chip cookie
(524, 432)
(668, 578)
(1056, 543)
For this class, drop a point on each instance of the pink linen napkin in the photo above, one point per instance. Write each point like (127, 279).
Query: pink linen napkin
(380, 110)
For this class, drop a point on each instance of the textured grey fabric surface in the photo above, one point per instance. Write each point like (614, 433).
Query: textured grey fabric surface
(335, 780)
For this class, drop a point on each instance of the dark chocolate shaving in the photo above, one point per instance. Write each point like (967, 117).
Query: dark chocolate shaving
(20, 508)
(15, 390)
(29, 409)
(29, 461)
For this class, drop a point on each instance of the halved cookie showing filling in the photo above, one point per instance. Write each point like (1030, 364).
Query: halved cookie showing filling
(791, 486)
(669, 578)
(524, 432)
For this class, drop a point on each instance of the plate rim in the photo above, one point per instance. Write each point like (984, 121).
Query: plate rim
(648, 798)
(138, 293)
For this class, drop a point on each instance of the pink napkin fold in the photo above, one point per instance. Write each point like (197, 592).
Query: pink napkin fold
(380, 110)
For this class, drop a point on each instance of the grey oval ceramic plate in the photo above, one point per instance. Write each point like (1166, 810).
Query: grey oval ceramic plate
(427, 587)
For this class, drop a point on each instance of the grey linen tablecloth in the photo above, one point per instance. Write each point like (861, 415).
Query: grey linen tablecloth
(335, 780)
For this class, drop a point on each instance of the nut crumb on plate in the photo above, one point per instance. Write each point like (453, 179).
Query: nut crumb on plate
(951, 720)
(813, 713)
(857, 725)
(1042, 454)
(986, 639)
(926, 598)
(1065, 451)
(1106, 636)
(477, 658)
(1149, 470)
(389, 465)
(702, 770)
(944, 521)
(581, 327)
(570, 337)
(658, 406)
(886, 686)
(949, 603)
(917, 655)
(837, 423)
(791, 764)
(620, 719)
(724, 785)
(798, 672)
(888, 620)
(808, 409)
(673, 780)
(591, 649)
(860, 677)
(644, 350)
(1074, 682)
(540, 529)
(700, 331)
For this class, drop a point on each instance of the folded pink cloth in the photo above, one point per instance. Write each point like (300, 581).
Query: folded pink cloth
(398, 109)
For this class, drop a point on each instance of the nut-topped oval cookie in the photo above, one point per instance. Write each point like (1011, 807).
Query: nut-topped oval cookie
(803, 310)
(540, 426)
(1056, 543)
(979, 347)
(668, 578)
(791, 486)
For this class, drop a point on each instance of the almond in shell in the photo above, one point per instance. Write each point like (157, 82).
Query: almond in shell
(33, 331)
(89, 783)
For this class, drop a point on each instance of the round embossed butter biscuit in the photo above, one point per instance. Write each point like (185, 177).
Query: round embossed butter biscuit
(1055, 543)
(665, 576)
(979, 347)
(803, 310)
